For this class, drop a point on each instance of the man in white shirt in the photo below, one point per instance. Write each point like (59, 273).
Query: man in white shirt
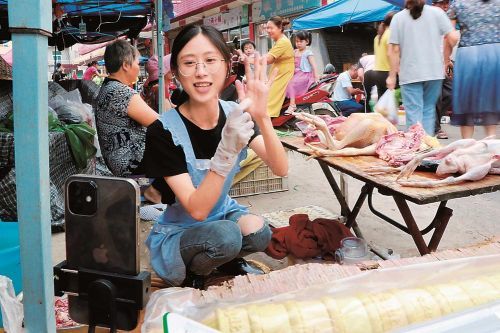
(343, 92)
(415, 52)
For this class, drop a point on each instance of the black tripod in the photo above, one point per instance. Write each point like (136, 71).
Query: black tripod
(109, 300)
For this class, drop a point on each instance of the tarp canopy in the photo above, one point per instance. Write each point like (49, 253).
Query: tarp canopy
(104, 20)
(401, 3)
(106, 7)
(342, 12)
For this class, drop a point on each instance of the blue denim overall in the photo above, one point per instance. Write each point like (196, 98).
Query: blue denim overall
(164, 240)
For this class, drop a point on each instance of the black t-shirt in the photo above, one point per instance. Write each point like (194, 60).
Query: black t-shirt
(162, 158)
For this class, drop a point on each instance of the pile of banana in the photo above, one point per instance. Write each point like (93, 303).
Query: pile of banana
(364, 313)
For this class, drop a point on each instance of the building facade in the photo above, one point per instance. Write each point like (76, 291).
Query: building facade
(246, 20)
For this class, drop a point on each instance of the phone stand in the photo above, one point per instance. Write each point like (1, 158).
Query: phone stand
(104, 293)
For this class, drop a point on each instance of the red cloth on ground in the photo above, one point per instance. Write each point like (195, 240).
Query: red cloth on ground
(307, 239)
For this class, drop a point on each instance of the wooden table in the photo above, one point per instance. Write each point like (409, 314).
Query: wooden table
(385, 184)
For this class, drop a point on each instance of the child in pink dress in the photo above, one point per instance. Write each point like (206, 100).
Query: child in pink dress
(305, 69)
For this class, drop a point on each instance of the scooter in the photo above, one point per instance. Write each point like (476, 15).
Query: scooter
(319, 92)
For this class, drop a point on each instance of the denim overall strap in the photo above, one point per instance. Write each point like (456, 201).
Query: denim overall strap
(197, 169)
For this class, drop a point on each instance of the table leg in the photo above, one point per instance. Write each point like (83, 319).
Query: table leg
(357, 231)
(344, 188)
(412, 225)
(383, 216)
(365, 190)
(344, 207)
(438, 224)
(443, 215)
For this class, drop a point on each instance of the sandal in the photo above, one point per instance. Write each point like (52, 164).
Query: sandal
(291, 109)
(441, 135)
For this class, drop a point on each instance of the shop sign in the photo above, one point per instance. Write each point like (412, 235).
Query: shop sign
(285, 7)
(256, 11)
(233, 18)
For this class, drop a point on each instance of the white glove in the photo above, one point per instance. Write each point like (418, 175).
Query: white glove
(235, 136)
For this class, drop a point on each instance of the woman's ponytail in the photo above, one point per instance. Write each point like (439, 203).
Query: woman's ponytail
(384, 25)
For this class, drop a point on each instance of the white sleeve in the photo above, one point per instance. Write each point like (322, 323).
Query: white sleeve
(345, 82)
(395, 30)
(444, 23)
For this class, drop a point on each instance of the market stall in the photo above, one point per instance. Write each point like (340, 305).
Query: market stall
(305, 308)
(358, 167)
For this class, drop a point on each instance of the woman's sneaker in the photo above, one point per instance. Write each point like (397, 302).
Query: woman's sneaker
(239, 266)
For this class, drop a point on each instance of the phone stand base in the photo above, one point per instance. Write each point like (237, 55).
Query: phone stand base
(110, 297)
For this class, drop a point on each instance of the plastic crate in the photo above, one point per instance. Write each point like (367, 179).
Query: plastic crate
(259, 181)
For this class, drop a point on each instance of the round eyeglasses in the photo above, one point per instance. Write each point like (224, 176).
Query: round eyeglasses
(211, 65)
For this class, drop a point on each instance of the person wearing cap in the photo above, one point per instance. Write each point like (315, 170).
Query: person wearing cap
(150, 88)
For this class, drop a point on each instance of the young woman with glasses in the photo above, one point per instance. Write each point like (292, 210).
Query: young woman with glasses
(197, 148)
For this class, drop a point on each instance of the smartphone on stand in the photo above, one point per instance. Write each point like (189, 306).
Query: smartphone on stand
(102, 219)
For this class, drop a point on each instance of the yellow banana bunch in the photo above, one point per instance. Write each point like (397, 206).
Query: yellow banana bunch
(365, 313)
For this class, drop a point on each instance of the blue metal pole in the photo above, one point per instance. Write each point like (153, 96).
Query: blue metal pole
(159, 39)
(30, 23)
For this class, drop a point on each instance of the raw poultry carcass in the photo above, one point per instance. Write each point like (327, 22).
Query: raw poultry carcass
(357, 135)
(311, 133)
(399, 148)
(471, 158)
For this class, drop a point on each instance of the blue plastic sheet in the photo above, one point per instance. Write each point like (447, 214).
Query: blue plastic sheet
(342, 12)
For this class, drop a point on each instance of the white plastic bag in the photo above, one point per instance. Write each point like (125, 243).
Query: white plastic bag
(12, 309)
(172, 300)
(387, 107)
